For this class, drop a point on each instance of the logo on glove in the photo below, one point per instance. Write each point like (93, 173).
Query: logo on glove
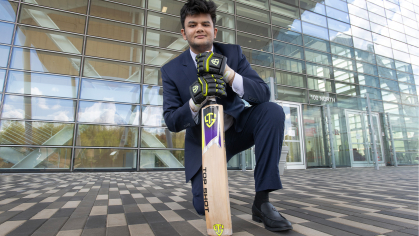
(215, 61)
(195, 88)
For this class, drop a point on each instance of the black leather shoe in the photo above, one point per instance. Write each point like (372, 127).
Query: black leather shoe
(270, 217)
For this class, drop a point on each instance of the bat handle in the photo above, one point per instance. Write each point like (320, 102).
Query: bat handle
(212, 100)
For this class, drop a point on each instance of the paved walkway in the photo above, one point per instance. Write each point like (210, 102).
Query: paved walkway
(340, 202)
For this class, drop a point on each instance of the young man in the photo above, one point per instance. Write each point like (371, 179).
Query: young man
(232, 80)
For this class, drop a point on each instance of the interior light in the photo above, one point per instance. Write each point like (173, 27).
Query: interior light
(164, 9)
(113, 153)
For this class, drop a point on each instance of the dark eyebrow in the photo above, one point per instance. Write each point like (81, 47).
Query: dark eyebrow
(194, 22)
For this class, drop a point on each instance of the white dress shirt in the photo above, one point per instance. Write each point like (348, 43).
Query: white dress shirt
(237, 87)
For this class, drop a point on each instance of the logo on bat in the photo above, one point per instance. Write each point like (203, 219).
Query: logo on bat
(209, 120)
(218, 228)
(195, 88)
(215, 61)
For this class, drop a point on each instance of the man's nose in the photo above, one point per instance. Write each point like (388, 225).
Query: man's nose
(199, 28)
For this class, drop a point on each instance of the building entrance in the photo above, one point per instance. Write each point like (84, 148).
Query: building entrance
(360, 144)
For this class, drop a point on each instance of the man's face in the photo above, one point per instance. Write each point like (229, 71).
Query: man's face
(199, 32)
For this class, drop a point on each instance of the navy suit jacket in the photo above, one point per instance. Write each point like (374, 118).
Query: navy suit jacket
(180, 73)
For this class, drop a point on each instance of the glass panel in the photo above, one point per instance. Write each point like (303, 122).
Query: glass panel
(320, 84)
(358, 3)
(337, 4)
(373, 93)
(223, 20)
(4, 50)
(314, 18)
(251, 12)
(376, 38)
(318, 70)
(287, 36)
(95, 158)
(225, 5)
(32, 59)
(315, 30)
(397, 35)
(363, 44)
(313, 6)
(256, 42)
(114, 50)
(313, 136)
(390, 96)
(408, 88)
(342, 50)
(379, 29)
(360, 22)
(288, 50)
(285, 22)
(364, 56)
(290, 79)
(405, 67)
(52, 19)
(404, 77)
(294, 154)
(278, 7)
(366, 68)
(152, 75)
(263, 72)
(318, 57)
(41, 84)
(138, 3)
(162, 159)
(253, 27)
(110, 91)
(114, 30)
(341, 38)
(223, 35)
(7, 10)
(2, 77)
(289, 64)
(34, 158)
(258, 58)
(409, 99)
(368, 80)
(385, 51)
(34, 108)
(343, 63)
(100, 112)
(36, 133)
(291, 94)
(152, 95)
(345, 76)
(376, 9)
(315, 43)
(45, 39)
(166, 6)
(7, 32)
(118, 12)
(347, 89)
(339, 26)
(152, 116)
(159, 57)
(354, 10)
(107, 136)
(111, 70)
(361, 33)
(292, 127)
(338, 15)
(387, 62)
(162, 138)
(79, 6)
(387, 73)
(320, 98)
(389, 84)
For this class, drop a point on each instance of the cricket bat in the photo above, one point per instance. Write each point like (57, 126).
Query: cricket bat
(214, 171)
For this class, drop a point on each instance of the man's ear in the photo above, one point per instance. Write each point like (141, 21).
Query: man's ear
(215, 32)
(182, 31)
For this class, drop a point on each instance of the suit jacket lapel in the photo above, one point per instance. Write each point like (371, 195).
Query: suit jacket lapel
(189, 68)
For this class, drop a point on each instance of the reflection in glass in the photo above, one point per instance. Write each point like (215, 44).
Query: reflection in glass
(7, 10)
(36, 133)
(4, 50)
(42, 84)
(315, 43)
(318, 70)
(114, 50)
(287, 36)
(2, 77)
(152, 116)
(110, 91)
(294, 154)
(118, 12)
(7, 31)
(385, 51)
(225, 5)
(361, 33)
(376, 38)
(152, 95)
(339, 26)
(52, 19)
(251, 12)
(366, 68)
(162, 138)
(314, 18)
(166, 40)
(320, 84)
(162, 159)
(318, 57)
(166, 6)
(289, 64)
(289, 79)
(258, 58)
(387, 73)
(35, 158)
(225, 36)
(263, 72)
(345, 76)
(409, 99)
(159, 57)
(35, 108)
(343, 63)
(379, 29)
(338, 15)
(390, 96)
(107, 136)
(253, 27)
(358, 21)
(291, 94)
(313, 6)
(289, 50)
(354, 10)
(50, 40)
(315, 30)
(373, 93)
(256, 42)
(32, 59)
(223, 20)
(408, 88)
(368, 80)
(111, 70)
(286, 22)
(313, 136)
(338, 5)
(278, 6)
(338, 37)
(389, 84)
(114, 30)
(152, 75)
(346, 89)
(95, 158)
(100, 112)
(363, 44)
(405, 67)
(78, 6)
(342, 50)
(404, 77)
(376, 9)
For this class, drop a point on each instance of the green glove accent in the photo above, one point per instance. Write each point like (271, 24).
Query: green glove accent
(210, 63)
(207, 85)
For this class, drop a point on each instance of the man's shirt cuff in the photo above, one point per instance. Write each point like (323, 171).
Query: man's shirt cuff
(195, 116)
(238, 85)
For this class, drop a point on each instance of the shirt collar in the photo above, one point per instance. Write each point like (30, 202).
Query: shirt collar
(193, 55)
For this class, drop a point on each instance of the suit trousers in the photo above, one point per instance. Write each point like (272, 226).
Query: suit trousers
(264, 129)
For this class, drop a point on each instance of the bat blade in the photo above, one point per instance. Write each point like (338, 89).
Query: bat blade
(214, 172)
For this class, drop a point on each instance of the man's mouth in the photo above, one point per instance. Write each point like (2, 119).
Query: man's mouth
(200, 36)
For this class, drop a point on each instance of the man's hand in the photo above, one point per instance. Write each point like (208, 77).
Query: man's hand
(207, 85)
(214, 63)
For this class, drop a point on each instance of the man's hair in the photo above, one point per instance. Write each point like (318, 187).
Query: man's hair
(194, 7)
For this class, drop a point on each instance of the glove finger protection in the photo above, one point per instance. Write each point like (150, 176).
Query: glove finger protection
(216, 85)
(207, 85)
(211, 63)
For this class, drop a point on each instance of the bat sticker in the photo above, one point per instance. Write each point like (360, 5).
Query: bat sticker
(218, 228)
(211, 133)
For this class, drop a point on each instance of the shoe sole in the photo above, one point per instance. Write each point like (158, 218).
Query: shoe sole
(259, 220)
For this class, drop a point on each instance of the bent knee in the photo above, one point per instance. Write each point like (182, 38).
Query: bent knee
(272, 110)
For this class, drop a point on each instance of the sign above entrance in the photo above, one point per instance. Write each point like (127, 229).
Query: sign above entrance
(322, 98)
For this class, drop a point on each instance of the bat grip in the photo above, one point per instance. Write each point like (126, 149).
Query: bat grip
(212, 100)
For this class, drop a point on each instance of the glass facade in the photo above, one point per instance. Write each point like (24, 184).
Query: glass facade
(82, 88)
